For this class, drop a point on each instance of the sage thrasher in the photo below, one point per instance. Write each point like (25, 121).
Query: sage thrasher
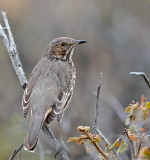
(50, 87)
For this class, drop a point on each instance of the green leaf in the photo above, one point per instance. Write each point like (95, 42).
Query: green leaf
(123, 147)
(127, 121)
(144, 114)
(87, 128)
(133, 129)
(134, 113)
(107, 148)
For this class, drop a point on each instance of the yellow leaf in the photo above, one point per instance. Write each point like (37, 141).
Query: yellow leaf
(116, 143)
(122, 143)
(146, 152)
(128, 109)
(148, 105)
(145, 114)
(72, 139)
(97, 140)
(90, 141)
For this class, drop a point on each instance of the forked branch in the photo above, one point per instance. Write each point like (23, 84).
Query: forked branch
(95, 126)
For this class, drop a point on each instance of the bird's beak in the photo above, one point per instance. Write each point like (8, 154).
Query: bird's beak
(81, 41)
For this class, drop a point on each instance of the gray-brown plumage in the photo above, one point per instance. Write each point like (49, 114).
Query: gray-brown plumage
(50, 87)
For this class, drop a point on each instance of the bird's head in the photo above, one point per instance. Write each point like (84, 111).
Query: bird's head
(63, 47)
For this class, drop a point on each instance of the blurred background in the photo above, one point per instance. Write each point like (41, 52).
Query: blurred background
(118, 35)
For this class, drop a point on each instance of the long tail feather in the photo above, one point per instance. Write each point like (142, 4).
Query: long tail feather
(31, 139)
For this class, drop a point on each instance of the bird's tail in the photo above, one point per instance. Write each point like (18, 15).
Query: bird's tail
(31, 139)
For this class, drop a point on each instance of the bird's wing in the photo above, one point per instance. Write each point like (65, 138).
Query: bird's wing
(26, 100)
(63, 95)
(58, 106)
(27, 93)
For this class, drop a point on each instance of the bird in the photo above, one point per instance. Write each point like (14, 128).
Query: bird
(50, 87)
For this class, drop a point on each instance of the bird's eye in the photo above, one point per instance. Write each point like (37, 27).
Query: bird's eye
(62, 44)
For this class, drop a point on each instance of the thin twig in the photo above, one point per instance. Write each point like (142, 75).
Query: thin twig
(19, 155)
(14, 56)
(143, 75)
(102, 136)
(97, 94)
(139, 149)
(16, 151)
(95, 126)
(131, 144)
(62, 153)
(4, 37)
(132, 149)
(96, 145)
(50, 134)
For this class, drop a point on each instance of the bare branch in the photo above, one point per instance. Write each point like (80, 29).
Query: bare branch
(139, 149)
(95, 126)
(14, 56)
(95, 144)
(16, 151)
(12, 51)
(143, 75)
(62, 153)
(97, 94)
(131, 144)
(4, 37)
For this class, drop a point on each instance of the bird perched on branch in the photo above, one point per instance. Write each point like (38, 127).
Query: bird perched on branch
(50, 87)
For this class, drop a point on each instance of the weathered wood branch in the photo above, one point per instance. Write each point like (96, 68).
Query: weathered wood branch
(16, 151)
(12, 51)
(62, 153)
(95, 126)
(143, 75)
